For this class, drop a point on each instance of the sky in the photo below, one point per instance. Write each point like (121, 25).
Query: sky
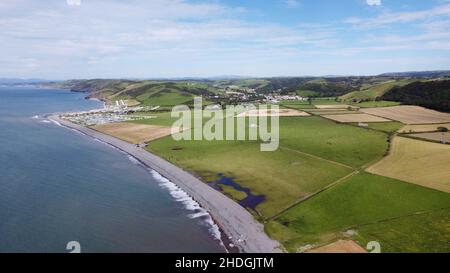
(75, 39)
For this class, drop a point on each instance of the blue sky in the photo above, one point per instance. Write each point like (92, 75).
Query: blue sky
(63, 39)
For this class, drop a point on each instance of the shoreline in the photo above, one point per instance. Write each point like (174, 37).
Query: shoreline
(236, 224)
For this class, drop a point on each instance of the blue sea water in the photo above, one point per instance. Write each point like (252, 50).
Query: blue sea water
(57, 186)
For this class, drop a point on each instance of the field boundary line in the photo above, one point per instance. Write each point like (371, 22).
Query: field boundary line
(303, 199)
(318, 157)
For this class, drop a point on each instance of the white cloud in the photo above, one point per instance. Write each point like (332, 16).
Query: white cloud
(374, 2)
(401, 17)
(73, 2)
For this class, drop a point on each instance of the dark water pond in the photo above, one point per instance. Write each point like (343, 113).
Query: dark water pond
(251, 201)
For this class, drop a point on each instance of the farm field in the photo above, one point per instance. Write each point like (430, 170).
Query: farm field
(332, 106)
(419, 162)
(409, 114)
(374, 91)
(349, 118)
(439, 137)
(283, 176)
(345, 209)
(341, 143)
(341, 246)
(423, 128)
(314, 153)
(168, 98)
(387, 127)
(133, 133)
(330, 111)
(297, 105)
(270, 113)
(423, 232)
(374, 104)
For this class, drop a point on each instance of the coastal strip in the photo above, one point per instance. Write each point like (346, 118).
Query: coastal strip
(236, 222)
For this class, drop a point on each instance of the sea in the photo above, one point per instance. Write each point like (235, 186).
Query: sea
(62, 191)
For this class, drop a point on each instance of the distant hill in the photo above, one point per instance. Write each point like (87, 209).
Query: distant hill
(430, 94)
(151, 93)
(419, 74)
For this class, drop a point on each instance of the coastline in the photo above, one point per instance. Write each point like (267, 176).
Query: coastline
(238, 226)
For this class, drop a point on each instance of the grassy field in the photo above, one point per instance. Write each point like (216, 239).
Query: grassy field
(297, 104)
(426, 232)
(307, 93)
(294, 171)
(337, 142)
(360, 200)
(420, 162)
(374, 91)
(388, 127)
(282, 176)
(168, 98)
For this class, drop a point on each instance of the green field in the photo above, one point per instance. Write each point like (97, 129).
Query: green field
(388, 127)
(361, 200)
(426, 232)
(337, 142)
(168, 98)
(374, 91)
(304, 164)
(283, 176)
(308, 93)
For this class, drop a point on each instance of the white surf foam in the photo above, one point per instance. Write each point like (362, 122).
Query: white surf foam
(57, 123)
(134, 160)
(189, 203)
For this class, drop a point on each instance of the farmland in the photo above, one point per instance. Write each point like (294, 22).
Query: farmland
(355, 203)
(283, 176)
(306, 162)
(341, 143)
(409, 114)
(428, 164)
(436, 137)
(372, 92)
(423, 128)
(349, 118)
(134, 133)
(387, 127)
(331, 185)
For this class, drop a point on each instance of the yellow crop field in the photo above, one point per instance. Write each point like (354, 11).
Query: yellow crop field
(348, 118)
(409, 114)
(133, 133)
(419, 162)
(423, 128)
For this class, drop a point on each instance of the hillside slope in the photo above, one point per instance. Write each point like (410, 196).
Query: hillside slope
(430, 94)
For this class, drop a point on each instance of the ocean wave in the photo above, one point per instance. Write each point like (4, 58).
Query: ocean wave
(134, 160)
(45, 121)
(189, 203)
(57, 123)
